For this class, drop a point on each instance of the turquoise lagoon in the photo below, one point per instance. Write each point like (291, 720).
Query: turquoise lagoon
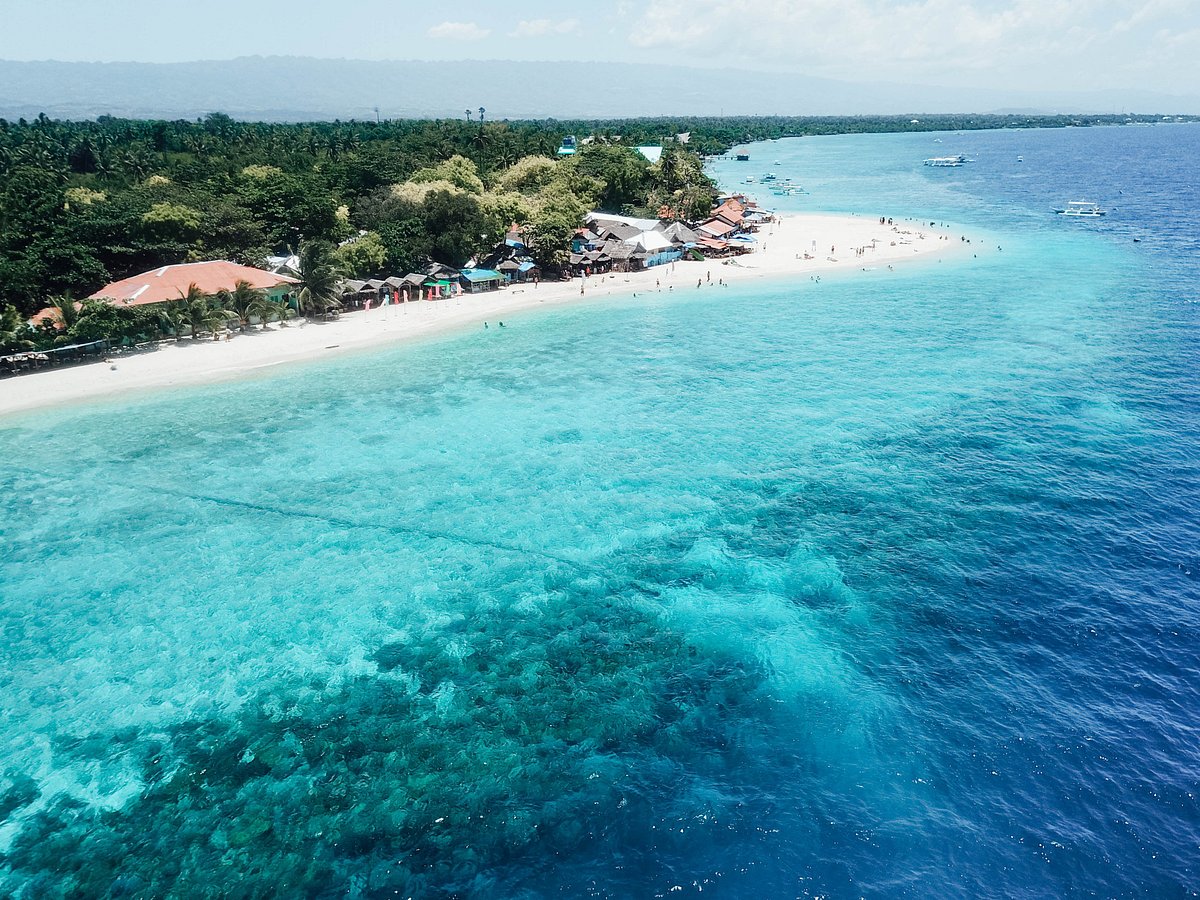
(879, 586)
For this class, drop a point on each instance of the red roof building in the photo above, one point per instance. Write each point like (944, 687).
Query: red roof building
(717, 228)
(731, 211)
(173, 282)
(54, 314)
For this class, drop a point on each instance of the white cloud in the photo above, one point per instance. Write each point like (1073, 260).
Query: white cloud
(458, 31)
(544, 27)
(1001, 43)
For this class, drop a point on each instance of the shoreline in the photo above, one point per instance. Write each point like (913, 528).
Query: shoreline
(831, 241)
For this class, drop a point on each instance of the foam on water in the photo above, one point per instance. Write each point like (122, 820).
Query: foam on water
(883, 585)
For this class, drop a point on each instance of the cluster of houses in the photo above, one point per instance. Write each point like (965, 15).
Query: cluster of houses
(509, 263)
(610, 243)
(605, 243)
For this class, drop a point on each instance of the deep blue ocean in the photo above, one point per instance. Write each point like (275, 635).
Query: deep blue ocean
(882, 586)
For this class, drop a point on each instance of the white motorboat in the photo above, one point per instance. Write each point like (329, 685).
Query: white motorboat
(1082, 209)
(943, 162)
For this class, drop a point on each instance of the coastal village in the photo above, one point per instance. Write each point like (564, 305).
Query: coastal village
(604, 243)
(351, 246)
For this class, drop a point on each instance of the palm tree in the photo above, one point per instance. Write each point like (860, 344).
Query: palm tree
(14, 333)
(216, 317)
(318, 280)
(172, 316)
(279, 309)
(68, 311)
(263, 308)
(194, 306)
(244, 300)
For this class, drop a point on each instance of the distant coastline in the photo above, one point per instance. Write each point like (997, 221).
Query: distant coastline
(293, 89)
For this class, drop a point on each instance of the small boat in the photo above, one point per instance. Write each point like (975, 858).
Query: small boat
(743, 157)
(1020, 159)
(1082, 209)
(946, 162)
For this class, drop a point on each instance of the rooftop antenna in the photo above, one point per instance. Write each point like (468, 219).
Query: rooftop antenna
(376, 108)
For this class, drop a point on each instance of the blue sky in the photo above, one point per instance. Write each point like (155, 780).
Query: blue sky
(1021, 44)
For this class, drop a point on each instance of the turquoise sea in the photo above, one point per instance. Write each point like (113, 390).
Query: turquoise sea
(884, 586)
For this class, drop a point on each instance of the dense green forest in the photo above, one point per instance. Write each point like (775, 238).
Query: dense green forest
(85, 203)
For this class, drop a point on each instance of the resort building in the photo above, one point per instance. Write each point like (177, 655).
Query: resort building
(173, 282)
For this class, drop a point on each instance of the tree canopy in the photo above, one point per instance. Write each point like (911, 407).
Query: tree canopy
(84, 203)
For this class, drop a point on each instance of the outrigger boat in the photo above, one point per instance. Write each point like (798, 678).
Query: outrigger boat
(1082, 209)
(942, 162)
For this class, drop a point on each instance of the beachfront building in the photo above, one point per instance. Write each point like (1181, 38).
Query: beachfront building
(511, 258)
(647, 242)
(173, 282)
(519, 271)
(478, 281)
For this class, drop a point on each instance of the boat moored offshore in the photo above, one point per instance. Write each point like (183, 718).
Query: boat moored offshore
(1083, 209)
(941, 162)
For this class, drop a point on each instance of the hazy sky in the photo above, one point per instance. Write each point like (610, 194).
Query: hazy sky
(1018, 44)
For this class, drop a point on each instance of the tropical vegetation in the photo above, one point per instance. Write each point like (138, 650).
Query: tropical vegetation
(86, 203)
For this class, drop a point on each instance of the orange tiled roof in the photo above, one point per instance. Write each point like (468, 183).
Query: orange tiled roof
(731, 211)
(53, 314)
(716, 227)
(172, 282)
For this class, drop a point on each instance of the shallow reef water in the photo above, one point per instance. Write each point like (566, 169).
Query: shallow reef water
(879, 586)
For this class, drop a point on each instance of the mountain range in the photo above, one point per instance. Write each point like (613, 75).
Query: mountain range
(288, 88)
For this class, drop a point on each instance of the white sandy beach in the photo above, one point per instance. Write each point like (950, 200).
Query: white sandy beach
(832, 242)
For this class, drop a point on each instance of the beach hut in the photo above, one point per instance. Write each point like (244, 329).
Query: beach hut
(354, 294)
(441, 271)
(478, 281)
(678, 233)
(413, 282)
(716, 228)
(623, 256)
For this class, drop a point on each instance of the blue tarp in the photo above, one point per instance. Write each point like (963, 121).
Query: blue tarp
(526, 266)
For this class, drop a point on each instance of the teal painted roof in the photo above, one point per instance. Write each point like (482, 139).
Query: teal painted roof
(481, 275)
